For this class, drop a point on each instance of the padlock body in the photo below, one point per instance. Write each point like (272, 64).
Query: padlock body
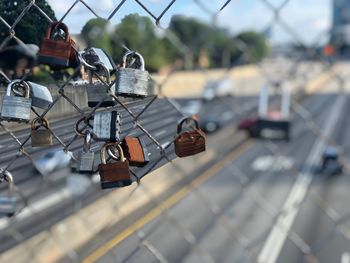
(189, 143)
(16, 108)
(93, 55)
(55, 53)
(106, 126)
(40, 95)
(114, 174)
(86, 162)
(98, 92)
(42, 137)
(7, 206)
(135, 151)
(132, 82)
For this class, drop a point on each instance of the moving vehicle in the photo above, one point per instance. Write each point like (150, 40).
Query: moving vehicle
(272, 124)
(218, 88)
(330, 162)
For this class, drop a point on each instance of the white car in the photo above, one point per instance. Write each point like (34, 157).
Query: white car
(218, 88)
(53, 160)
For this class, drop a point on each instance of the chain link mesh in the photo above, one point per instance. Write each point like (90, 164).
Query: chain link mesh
(220, 216)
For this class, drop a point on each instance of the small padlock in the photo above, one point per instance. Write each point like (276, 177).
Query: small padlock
(16, 107)
(135, 151)
(191, 142)
(56, 50)
(106, 126)
(115, 174)
(86, 157)
(8, 203)
(92, 55)
(40, 95)
(41, 137)
(132, 82)
(98, 92)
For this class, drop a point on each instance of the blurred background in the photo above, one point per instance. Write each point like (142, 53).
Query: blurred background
(268, 82)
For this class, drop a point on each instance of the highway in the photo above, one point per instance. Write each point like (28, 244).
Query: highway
(49, 200)
(233, 213)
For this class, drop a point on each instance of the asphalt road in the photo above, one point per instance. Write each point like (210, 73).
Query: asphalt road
(232, 214)
(48, 196)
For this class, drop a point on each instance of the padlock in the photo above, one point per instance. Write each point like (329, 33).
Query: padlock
(8, 203)
(116, 174)
(92, 55)
(190, 142)
(98, 92)
(86, 157)
(40, 95)
(41, 137)
(106, 126)
(132, 82)
(16, 108)
(55, 52)
(135, 151)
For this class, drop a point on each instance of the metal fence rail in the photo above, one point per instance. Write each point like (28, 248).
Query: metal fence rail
(146, 117)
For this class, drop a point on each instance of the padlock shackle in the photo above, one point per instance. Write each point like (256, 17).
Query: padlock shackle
(107, 74)
(24, 85)
(58, 25)
(84, 62)
(87, 141)
(76, 126)
(44, 123)
(134, 53)
(179, 125)
(104, 152)
(9, 179)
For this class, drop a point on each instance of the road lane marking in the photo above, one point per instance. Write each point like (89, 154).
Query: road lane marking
(168, 203)
(345, 257)
(277, 237)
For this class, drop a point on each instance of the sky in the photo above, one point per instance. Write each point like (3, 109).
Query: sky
(309, 18)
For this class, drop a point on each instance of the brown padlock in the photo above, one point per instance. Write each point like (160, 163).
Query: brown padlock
(191, 142)
(42, 137)
(58, 53)
(135, 151)
(115, 174)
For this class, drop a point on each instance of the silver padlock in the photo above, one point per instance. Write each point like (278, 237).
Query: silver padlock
(8, 203)
(98, 91)
(40, 95)
(92, 55)
(86, 157)
(16, 108)
(132, 82)
(106, 126)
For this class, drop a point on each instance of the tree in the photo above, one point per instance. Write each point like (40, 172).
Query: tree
(137, 33)
(95, 33)
(256, 45)
(32, 27)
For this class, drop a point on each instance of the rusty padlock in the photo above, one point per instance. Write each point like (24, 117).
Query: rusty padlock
(41, 137)
(135, 151)
(116, 174)
(190, 142)
(56, 50)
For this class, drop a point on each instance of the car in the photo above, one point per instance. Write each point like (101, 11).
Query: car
(218, 88)
(53, 160)
(209, 123)
(273, 126)
(330, 164)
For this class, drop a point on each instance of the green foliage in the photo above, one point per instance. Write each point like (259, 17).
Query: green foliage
(95, 33)
(256, 46)
(138, 33)
(32, 27)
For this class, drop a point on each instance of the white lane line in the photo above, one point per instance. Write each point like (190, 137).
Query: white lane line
(345, 257)
(277, 237)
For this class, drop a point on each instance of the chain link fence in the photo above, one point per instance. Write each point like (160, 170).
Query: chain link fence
(58, 236)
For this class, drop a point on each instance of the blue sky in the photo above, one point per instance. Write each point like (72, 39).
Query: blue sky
(308, 17)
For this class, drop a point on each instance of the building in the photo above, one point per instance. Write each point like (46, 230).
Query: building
(341, 23)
